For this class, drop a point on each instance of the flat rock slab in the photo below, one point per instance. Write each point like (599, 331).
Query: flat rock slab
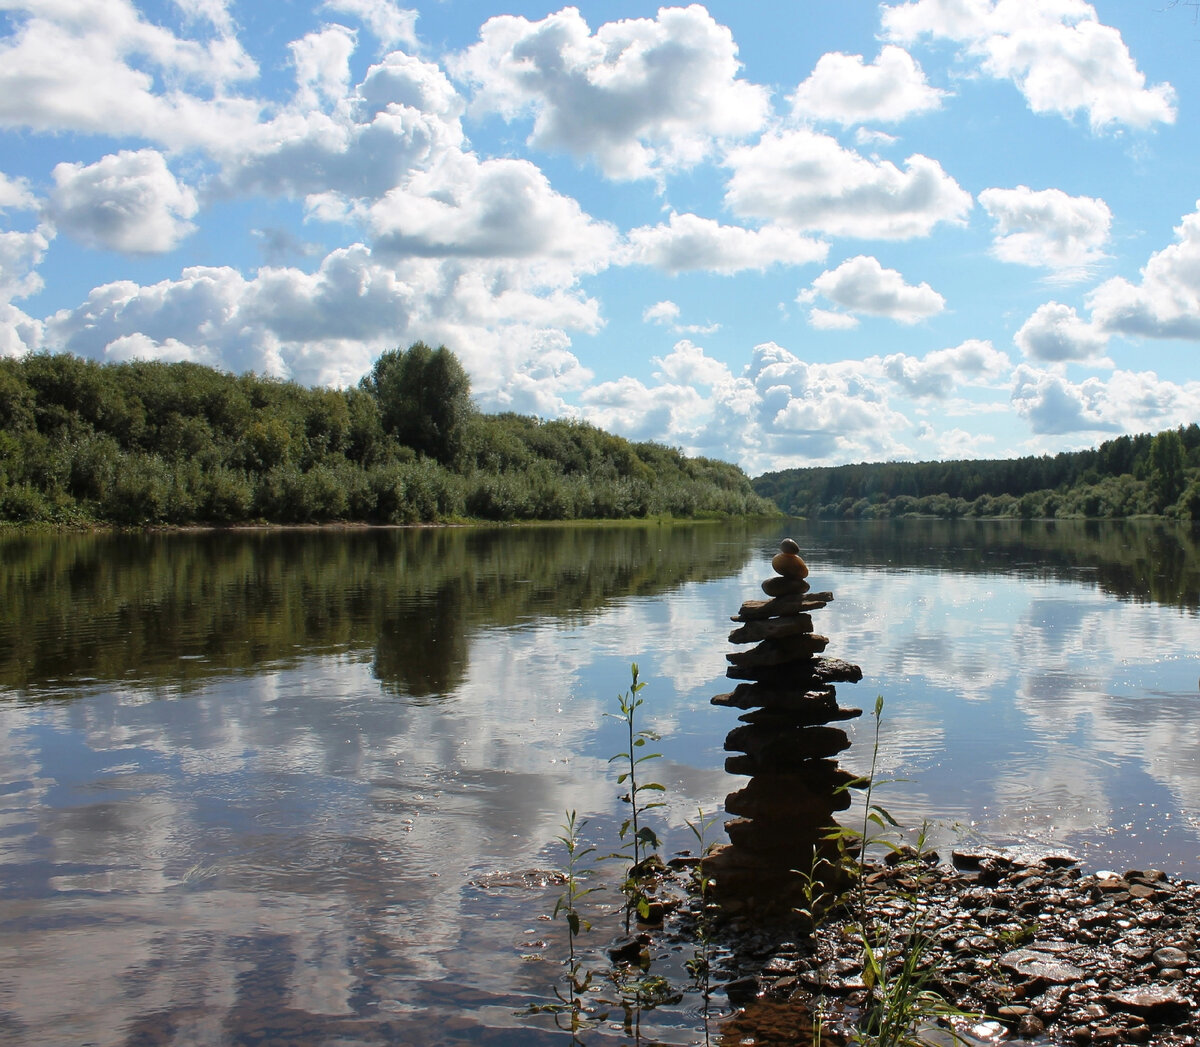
(782, 721)
(782, 606)
(780, 748)
(1156, 1002)
(772, 628)
(781, 651)
(759, 696)
(1043, 966)
(800, 675)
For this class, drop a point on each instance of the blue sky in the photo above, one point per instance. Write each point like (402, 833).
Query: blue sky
(775, 233)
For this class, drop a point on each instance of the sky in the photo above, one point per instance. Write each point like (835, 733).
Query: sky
(775, 233)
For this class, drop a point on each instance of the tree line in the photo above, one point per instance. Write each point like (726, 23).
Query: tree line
(1143, 475)
(148, 442)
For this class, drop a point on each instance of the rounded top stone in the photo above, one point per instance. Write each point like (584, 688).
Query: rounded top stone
(789, 545)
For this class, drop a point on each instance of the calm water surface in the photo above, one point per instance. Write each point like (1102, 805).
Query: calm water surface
(304, 787)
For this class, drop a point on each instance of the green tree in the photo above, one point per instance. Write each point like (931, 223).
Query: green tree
(1167, 459)
(424, 398)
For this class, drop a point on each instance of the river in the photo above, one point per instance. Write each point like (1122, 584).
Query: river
(304, 787)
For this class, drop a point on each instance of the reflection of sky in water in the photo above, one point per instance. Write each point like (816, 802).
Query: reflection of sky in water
(302, 849)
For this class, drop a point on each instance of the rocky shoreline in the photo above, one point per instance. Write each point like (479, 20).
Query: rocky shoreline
(1042, 952)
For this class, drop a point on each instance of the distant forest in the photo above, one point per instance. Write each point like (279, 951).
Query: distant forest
(178, 443)
(1128, 476)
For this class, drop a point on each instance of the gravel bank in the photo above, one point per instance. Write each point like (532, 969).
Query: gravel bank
(1043, 952)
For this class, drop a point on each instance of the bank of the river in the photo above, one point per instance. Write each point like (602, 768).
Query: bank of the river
(1042, 951)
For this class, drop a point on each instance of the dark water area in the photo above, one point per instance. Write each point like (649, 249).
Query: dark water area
(304, 787)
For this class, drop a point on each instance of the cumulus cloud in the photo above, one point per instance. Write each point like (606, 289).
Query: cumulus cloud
(665, 312)
(325, 327)
(1048, 228)
(322, 63)
(19, 332)
(391, 24)
(1056, 334)
(1127, 401)
(807, 180)
(20, 255)
(15, 194)
(1166, 304)
(862, 285)
(687, 364)
(108, 82)
(1059, 55)
(830, 319)
(844, 90)
(973, 362)
(636, 97)
(488, 209)
(813, 412)
(780, 411)
(688, 243)
(128, 202)
(403, 117)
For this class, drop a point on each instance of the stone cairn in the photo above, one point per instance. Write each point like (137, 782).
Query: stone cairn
(785, 746)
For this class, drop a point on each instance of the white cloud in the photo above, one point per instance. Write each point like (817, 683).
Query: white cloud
(862, 285)
(15, 194)
(814, 412)
(831, 320)
(391, 24)
(807, 180)
(664, 312)
(322, 62)
(1127, 401)
(325, 327)
(867, 136)
(93, 66)
(19, 332)
(974, 362)
(1059, 55)
(844, 90)
(20, 255)
(403, 118)
(215, 12)
(488, 209)
(1166, 304)
(688, 242)
(958, 443)
(780, 411)
(128, 202)
(1056, 334)
(1048, 228)
(688, 365)
(637, 97)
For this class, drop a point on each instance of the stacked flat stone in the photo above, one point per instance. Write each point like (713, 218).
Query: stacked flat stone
(784, 745)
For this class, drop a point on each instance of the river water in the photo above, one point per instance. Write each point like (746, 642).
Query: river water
(305, 787)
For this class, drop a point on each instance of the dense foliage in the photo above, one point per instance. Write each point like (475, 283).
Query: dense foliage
(149, 442)
(1128, 476)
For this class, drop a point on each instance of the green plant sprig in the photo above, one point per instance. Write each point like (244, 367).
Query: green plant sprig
(638, 839)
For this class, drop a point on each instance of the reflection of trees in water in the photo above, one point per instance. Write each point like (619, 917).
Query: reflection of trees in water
(1131, 559)
(156, 610)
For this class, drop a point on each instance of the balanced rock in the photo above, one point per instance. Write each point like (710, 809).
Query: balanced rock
(784, 745)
